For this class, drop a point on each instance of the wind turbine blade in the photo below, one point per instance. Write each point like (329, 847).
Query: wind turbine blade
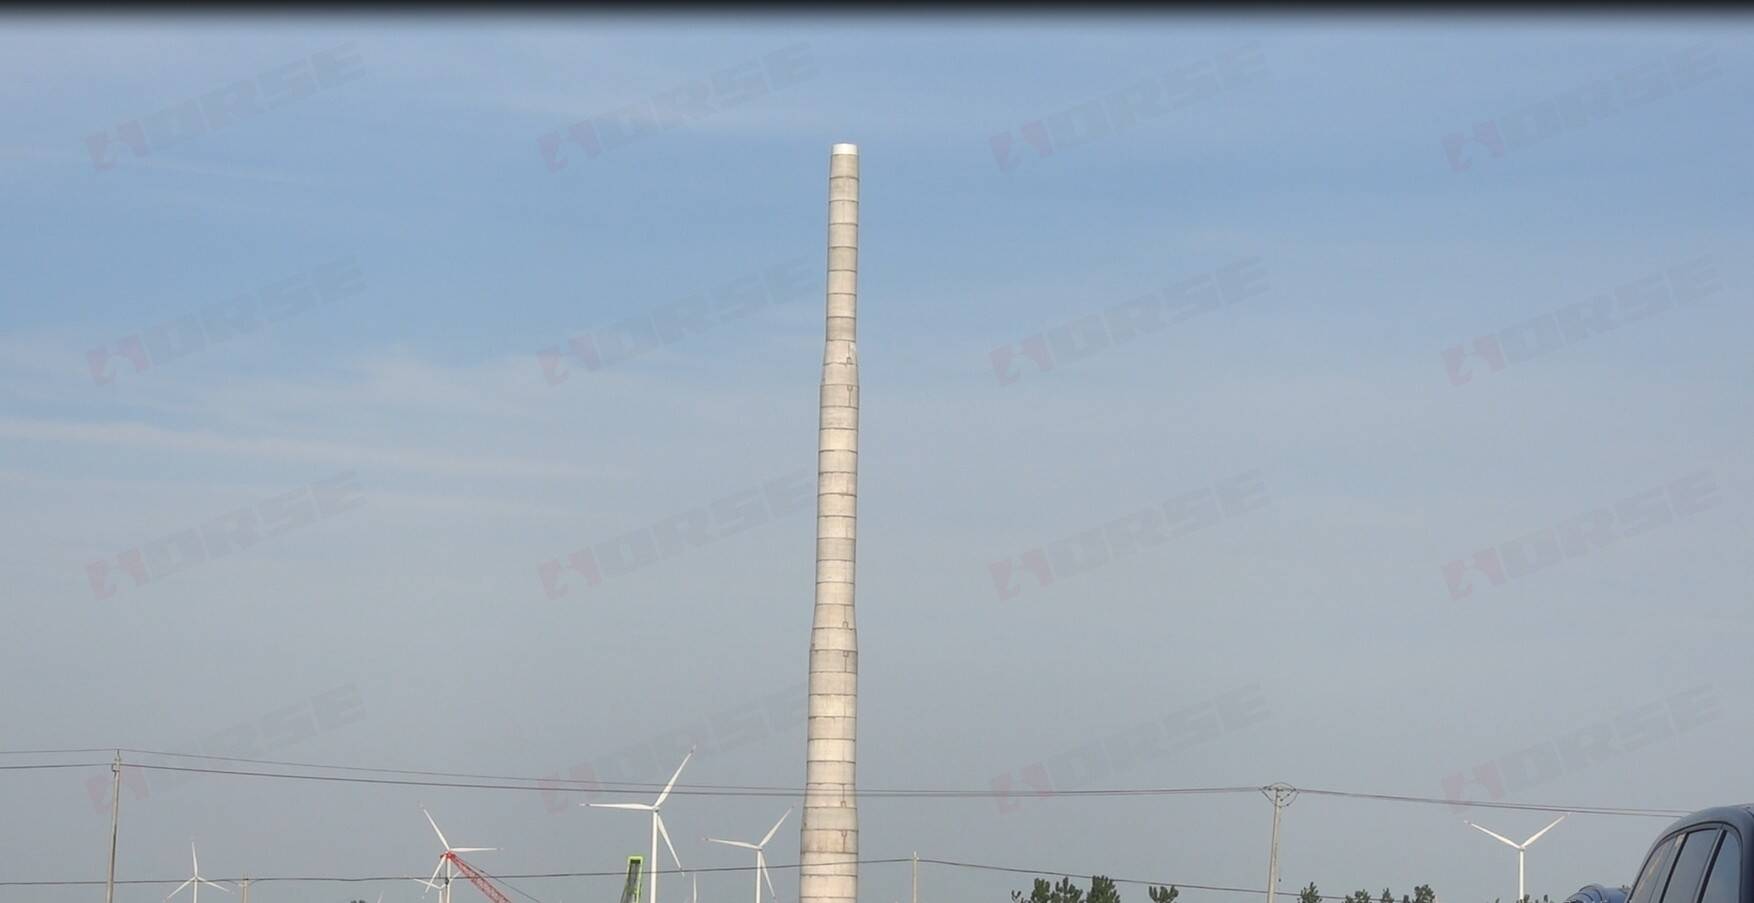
(775, 829)
(433, 881)
(761, 866)
(666, 835)
(639, 807)
(435, 829)
(1501, 837)
(179, 888)
(220, 886)
(380, 896)
(192, 860)
(1537, 834)
(475, 849)
(733, 843)
(666, 793)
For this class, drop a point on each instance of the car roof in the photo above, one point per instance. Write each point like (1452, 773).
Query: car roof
(1741, 816)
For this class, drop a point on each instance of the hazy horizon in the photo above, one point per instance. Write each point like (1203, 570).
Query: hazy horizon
(1358, 403)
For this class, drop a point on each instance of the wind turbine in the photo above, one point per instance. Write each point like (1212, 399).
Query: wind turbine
(760, 857)
(445, 860)
(657, 823)
(1520, 848)
(197, 880)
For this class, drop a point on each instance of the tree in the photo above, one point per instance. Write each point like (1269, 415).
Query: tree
(1042, 893)
(1103, 890)
(1063, 892)
(1039, 895)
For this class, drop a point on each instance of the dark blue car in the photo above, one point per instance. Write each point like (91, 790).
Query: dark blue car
(1701, 858)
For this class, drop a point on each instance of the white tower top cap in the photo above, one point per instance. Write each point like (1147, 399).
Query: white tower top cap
(851, 150)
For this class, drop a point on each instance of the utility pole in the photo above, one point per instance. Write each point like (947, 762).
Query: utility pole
(916, 876)
(115, 817)
(1280, 795)
(244, 895)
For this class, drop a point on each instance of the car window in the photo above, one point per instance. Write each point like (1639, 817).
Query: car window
(1725, 883)
(1655, 872)
(1690, 863)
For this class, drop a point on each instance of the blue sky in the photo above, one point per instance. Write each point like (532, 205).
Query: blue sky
(422, 391)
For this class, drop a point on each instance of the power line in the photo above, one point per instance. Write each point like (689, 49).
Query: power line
(405, 782)
(546, 785)
(698, 790)
(337, 879)
(878, 793)
(500, 880)
(1531, 807)
(56, 752)
(948, 863)
(599, 785)
(590, 785)
(639, 785)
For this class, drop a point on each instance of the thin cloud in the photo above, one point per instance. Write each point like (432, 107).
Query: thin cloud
(140, 435)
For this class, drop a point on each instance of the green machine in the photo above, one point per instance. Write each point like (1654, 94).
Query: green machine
(630, 891)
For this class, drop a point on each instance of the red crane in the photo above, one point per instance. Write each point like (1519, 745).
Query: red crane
(476, 878)
(450, 858)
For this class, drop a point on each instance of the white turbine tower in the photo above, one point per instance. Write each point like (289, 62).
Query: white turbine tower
(444, 863)
(657, 823)
(760, 857)
(195, 881)
(1520, 848)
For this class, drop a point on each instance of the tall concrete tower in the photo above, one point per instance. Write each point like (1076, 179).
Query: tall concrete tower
(829, 871)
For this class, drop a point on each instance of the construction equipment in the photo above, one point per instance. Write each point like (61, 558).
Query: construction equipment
(630, 890)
